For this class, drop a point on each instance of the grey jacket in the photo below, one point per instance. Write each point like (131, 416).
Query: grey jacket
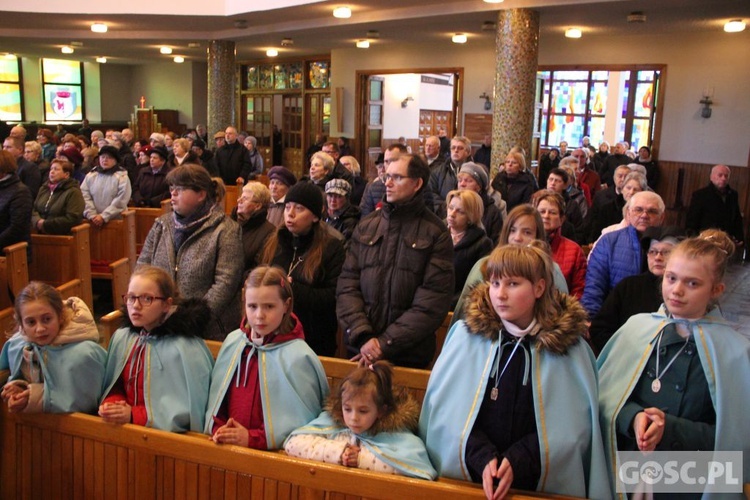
(106, 193)
(208, 266)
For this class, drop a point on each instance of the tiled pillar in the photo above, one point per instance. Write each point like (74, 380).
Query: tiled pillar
(221, 86)
(516, 59)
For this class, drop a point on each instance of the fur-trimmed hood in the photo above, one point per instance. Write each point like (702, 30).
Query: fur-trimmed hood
(403, 417)
(556, 337)
(189, 318)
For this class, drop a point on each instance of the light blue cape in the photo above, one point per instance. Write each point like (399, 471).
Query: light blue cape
(293, 384)
(565, 407)
(725, 357)
(73, 373)
(176, 377)
(403, 451)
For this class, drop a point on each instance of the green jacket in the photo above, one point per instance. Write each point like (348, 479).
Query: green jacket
(61, 209)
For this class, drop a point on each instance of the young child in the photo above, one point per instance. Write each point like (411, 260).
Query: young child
(158, 366)
(512, 399)
(55, 362)
(267, 381)
(367, 424)
(677, 379)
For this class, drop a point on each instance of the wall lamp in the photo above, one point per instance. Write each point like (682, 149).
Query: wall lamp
(405, 102)
(707, 102)
(487, 101)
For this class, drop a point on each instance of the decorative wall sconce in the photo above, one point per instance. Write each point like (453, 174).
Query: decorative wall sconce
(405, 102)
(487, 101)
(707, 102)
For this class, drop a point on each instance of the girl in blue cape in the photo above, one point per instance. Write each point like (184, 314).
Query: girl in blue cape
(512, 399)
(677, 379)
(267, 381)
(367, 424)
(55, 362)
(158, 366)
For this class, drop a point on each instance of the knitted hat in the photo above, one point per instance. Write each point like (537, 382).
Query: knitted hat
(161, 151)
(282, 174)
(110, 151)
(338, 186)
(478, 173)
(308, 195)
(73, 155)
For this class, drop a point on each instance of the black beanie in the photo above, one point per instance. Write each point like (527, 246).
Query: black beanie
(308, 195)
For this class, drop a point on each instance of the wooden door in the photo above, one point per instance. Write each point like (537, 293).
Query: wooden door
(291, 134)
(317, 119)
(257, 120)
(430, 123)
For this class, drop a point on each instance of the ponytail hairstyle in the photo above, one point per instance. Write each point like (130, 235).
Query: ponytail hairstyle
(714, 244)
(376, 378)
(38, 291)
(275, 277)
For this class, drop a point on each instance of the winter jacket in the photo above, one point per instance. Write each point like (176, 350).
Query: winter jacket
(443, 180)
(345, 222)
(358, 189)
(314, 302)
(492, 219)
(652, 171)
(710, 209)
(515, 191)
(397, 282)
(254, 167)
(610, 164)
(617, 255)
(29, 174)
(106, 193)
(255, 232)
(373, 195)
(231, 161)
(190, 158)
(151, 187)
(569, 256)
(473, 246)
(208, 265)
(15, 212)
(61, 209)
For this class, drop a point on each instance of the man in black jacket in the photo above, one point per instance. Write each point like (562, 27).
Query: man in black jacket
(232, 159)
(717, 206)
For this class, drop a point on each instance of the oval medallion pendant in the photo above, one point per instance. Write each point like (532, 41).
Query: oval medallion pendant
(656, 385)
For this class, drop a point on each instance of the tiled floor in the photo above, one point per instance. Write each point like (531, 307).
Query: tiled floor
(735, 304)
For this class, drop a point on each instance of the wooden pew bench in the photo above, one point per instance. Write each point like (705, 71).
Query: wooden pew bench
(144, 219)
(230, 199)
(14, 273)
(60, 259)
(114, 244)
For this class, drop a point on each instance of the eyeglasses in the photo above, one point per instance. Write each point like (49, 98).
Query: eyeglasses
(144, 300)
(397, 178)
(178, 189)
(651, 212)
(663, 253)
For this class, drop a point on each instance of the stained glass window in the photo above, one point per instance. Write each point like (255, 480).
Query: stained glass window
(11, 106)
(319, 74)
(63, 90)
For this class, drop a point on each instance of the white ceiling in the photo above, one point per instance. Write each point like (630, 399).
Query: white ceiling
(135, 38)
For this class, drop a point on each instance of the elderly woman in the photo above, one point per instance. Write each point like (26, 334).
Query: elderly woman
(251, 213)
(312, 254)
(280, 180)
(46, 139)
(198, 245)
(255, 158)
(514, 183)
(182, 153)
(343, 216)
(470, 242)
(74, 156)
(358, 182)
(474, 177)
(106, 189)
(565, 252)
(59, 205)
(32, 153)
(15, 205)
(321, 170)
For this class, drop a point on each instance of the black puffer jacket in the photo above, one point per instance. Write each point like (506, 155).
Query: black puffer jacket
(15, 212)
(346, 221)
(515, 191)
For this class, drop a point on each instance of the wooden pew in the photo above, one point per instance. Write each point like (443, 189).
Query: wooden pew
(144, 219)
(230, 199)
(60, 259)
(14, 273)
(440, 335)
(114, 243)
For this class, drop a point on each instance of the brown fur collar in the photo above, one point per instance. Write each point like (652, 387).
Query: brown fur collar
(563, 331)
(404, 417)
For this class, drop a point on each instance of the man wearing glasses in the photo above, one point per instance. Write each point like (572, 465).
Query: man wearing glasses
(396, 284)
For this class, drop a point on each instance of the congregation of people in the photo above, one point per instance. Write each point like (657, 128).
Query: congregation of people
(570, 297)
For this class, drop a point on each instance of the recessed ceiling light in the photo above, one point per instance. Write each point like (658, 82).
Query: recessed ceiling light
(179, 59)
(493, 1)
(66, 49)
(735, 26)
(363, 44)
(102, 60)
(573, 33)
(10, 56)
(342, 12)
(165, 50)
(459, 38)
(272, 52)
(99, 28)
(194, 45)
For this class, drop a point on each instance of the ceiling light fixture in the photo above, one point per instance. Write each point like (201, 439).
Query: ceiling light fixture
(165, 50)
(493, 1)
(179, 59)
(99, 28)
(373, 34)
(735, 26)
(573, 33)
(101, 60)
(363, 44)
(342, 12)
(287, 42)
(10, 56)
(459, 38)
(66, 49)
(272, 52)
